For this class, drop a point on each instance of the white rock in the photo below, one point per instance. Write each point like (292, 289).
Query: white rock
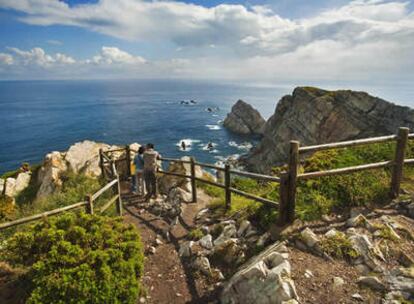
(359, 221)
(22, 181)
(309, 237)
(263, 239)
(372, 282)
(185, 249)
(2, 182)
(244, 225)
(358, 297)
(49, 174)
(206, 241)
(308, 274)
(203, 264)
(151, 249)
(228, 232)
(84, 156)
(10, 187)
(331, 233)
(261, 282)
(337, 282)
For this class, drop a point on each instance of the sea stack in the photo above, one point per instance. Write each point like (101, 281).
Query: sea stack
(315, 116)
(244, 119)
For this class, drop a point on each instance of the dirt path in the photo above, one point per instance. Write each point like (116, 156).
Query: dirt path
(167, 278)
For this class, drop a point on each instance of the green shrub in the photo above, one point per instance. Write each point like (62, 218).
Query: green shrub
(78, 259)
(195, 234)
(339, 246)
(75, 188)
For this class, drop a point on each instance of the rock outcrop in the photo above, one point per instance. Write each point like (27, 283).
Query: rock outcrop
(82, 157)
(316, 116)
(265, 279)
(244, 119)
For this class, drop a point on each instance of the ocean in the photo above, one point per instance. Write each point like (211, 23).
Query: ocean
(42, 116)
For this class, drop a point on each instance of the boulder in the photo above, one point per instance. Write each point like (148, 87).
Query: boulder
(206, 241)
(2, 182)
(167, 182)
(186, 249)
(244, 119)
(315, 116)
(309, 237)
(265, 279)
(203, 265)
(49, 174)
(84, 157)
(229, 231)
(368, 252)
(372, 282)
(229, 252)
(10, 187)
(22, 181)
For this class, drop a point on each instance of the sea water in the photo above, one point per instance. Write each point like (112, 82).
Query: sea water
(42, 116)
(38, 117)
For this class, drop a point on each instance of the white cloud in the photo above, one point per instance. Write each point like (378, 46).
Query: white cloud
(6, 59)
(37, 56)
(113, 55)
(363, 39)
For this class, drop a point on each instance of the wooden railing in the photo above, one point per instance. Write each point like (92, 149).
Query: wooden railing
(226, 185)
(88, 204)
(289, 179)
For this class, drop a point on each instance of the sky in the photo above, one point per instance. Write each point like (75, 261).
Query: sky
(262, 41)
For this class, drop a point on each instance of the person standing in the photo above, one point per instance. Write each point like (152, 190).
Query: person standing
(137, 178)
(151, 158)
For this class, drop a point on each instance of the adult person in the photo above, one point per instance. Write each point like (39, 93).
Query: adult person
(138, 178)
(151, 158)
(183, 146)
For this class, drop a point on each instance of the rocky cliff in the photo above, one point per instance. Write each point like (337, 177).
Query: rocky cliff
(82, 157)
(244, 119)
(316, 116)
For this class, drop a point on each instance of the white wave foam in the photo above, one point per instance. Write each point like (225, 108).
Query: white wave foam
(188, 144)
(213, 127)
(242, 146)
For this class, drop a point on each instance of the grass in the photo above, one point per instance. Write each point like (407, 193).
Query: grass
(320, 196)
(195, 234)
(339, 246)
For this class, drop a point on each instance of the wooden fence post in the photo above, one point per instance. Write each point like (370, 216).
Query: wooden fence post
(119, 202)
(293, 174)
(101, 162)
(227, 185)
(128, 159)
(283, 218)
(193, 180)
(89, 206)
(397, 173)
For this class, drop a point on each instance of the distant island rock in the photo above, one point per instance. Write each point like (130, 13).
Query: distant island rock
(315, 116)
(244, 119)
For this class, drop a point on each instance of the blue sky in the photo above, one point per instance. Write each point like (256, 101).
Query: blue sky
(262, 40)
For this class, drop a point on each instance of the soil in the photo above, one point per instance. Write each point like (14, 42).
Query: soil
(319, 287)
(168, 278)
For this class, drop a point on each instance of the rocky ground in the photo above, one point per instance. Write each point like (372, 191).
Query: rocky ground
(366, 257)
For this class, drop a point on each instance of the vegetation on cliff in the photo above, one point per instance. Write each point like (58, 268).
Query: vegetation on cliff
(75, 188)
(316, 197)
(78, 259)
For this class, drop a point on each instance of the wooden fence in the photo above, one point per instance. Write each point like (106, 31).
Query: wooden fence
(88, 204)
(289, 179)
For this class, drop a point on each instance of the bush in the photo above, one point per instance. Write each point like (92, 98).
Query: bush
(78, 259)
(339, 246)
